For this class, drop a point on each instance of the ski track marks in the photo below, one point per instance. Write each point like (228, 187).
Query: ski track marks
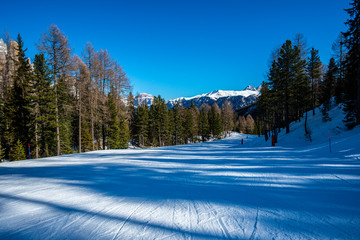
(215, 190)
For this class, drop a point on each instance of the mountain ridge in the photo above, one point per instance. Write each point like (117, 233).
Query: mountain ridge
(238, 99)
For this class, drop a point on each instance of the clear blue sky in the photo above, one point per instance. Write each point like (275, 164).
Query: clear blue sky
(182, 47)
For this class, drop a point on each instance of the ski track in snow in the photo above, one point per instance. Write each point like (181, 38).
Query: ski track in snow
(215, 190)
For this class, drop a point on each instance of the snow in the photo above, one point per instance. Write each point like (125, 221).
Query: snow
(144, 98)
(2, 47)
(220, 94)
(215, 190)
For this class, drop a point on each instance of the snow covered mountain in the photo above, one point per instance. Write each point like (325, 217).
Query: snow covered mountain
(142, 98)
(238, 99)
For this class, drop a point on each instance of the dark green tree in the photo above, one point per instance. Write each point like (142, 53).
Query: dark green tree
(352, 66)
(314, 73)
(142, 125)
(124, 132)
(178, 124)
(44, 109)
(113, 140)
(204, 130)
(17, 152)
(327, 89)
(159, 122)
(188, 126)
(18, 108)
(215, 122)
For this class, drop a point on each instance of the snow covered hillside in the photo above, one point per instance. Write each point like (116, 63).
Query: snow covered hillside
(215, 190)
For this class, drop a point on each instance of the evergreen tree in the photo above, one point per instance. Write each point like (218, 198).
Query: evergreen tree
(159, 121)
(204, 129)
(188, 126)
(142, 125)
(265, 109)
(114, 141)
(19, 106)
(86, 139)
(285, 63)
(131, 116)
(339, 53)
(314, 72)
(124, 132)
(215, 121)
(327, 89)
(44, 109)
(178, 124)
(17, 152)
(352, 66)
(172, 129)
(194, 111)
(286, 95)
(2, 127)
(66, 107)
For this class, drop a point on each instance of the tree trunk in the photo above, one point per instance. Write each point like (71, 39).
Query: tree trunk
(358, 94)
(36, 141)
(92, 128)
(57, 121)
(79, 121)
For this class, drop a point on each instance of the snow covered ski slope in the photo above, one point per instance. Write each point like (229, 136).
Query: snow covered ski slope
(215, 190)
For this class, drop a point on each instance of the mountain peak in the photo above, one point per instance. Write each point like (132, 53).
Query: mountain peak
(251, 88)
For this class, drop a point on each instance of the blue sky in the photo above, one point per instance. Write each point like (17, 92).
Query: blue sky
(182, 48)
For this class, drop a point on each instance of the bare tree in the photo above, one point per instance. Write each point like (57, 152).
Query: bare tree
(89, 57)
(227, 114)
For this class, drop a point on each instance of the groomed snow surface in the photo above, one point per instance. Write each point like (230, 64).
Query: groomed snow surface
(214, 190)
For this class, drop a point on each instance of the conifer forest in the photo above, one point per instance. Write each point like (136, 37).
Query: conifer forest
(58, 103)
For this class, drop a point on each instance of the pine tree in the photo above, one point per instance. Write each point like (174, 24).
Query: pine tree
(194, 111)
(159, 121)
(327, 89)
(86, 139)
(339, 53)
(113, 130)
(172, 129)
(352, 66)
(131, 116)
(178, 124)
(204, 129)
(286, 77)
(265, 109)
(18, 108)
(124, 132)
(142, 125)
(188, 126)
(215, 121)
(66, 107)
(314, 72)
(44, 109)
(17, 152)
(2, 127)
